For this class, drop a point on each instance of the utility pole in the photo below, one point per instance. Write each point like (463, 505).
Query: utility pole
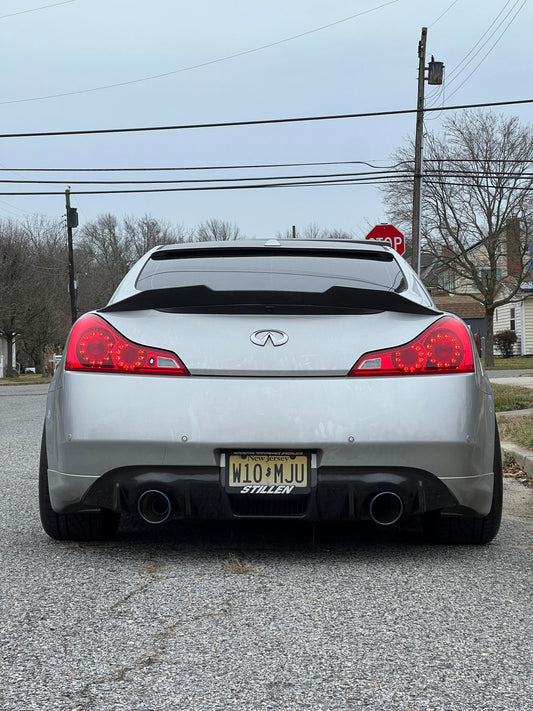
(419, 134)
(435, 76)
(72, 221)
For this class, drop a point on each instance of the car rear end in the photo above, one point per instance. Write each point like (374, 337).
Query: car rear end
(311, 381)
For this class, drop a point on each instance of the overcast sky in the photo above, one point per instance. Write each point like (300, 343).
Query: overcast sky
(363, 64)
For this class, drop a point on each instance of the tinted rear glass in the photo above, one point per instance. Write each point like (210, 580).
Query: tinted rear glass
(262, 271)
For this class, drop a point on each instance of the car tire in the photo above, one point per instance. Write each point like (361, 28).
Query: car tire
(91, 526)
(474, 530)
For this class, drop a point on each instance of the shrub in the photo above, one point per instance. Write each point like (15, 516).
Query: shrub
(505, 341)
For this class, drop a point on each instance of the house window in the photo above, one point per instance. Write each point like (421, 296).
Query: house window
(447, 282)
(512, 315)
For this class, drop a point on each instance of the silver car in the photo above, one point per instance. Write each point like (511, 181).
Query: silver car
(276, 379)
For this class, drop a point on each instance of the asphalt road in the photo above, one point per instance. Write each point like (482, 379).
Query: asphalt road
(254, 617)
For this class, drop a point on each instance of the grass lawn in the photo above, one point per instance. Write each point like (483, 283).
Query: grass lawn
(512, 397)
(29, 379)
(518, 430)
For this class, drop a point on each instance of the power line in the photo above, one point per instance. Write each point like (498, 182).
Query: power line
(211, 188)
(483, 173)
(363, 181)
(381, 173)
(467, 159)
(203, 167)
(473, 185)
(252, 166)
(444, 13)
(450, 79)
(202, 64)
(463, 60)
(259, 122)
(493, 46)
(35, 9)
(199, 180)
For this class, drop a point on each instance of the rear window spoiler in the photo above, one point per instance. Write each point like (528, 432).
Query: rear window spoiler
(265, 251)
(336, 297)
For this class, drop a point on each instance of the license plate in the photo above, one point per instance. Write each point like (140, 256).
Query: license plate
(275, 473)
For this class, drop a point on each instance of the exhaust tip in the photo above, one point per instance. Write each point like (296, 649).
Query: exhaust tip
(154, 506)
(385, 508)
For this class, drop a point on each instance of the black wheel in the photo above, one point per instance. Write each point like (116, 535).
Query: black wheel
(94, 526)
(470, 529)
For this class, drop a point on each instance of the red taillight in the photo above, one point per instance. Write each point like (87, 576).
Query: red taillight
(444, 347)
(95, 345)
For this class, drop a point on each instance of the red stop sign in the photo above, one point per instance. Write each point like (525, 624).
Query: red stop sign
(389, 234)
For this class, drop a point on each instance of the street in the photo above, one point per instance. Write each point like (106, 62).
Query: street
(254, 616)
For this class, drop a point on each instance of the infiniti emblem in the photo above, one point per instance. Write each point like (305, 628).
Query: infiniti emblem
(277, 338)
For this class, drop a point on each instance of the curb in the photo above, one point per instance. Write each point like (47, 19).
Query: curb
(515, 413)
(523, 457)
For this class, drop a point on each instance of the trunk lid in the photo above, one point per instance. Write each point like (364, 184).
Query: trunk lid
(304, 344)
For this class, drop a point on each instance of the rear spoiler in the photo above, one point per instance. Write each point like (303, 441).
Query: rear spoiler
(336, 297)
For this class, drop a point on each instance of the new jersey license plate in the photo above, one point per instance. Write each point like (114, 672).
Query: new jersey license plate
(275, 473)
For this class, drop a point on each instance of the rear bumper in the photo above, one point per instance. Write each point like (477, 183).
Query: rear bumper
(429, 438)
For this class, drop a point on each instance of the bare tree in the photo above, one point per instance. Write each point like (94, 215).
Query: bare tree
(48, 244)
(218, 230)
(33, 287)
(477, 207)
(314, 231)
(12, 272)
(338, 234)
(144, 233)
(100, 261)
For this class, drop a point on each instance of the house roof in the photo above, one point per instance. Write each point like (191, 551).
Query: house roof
(462, 306)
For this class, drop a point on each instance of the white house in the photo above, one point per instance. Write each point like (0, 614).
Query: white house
(3, 356)
(517, 316)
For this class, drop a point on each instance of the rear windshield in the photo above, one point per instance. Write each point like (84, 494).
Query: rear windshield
(265, 271)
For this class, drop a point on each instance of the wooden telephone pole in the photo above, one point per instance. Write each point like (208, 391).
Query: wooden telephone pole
(72, 221)
(435, 77)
